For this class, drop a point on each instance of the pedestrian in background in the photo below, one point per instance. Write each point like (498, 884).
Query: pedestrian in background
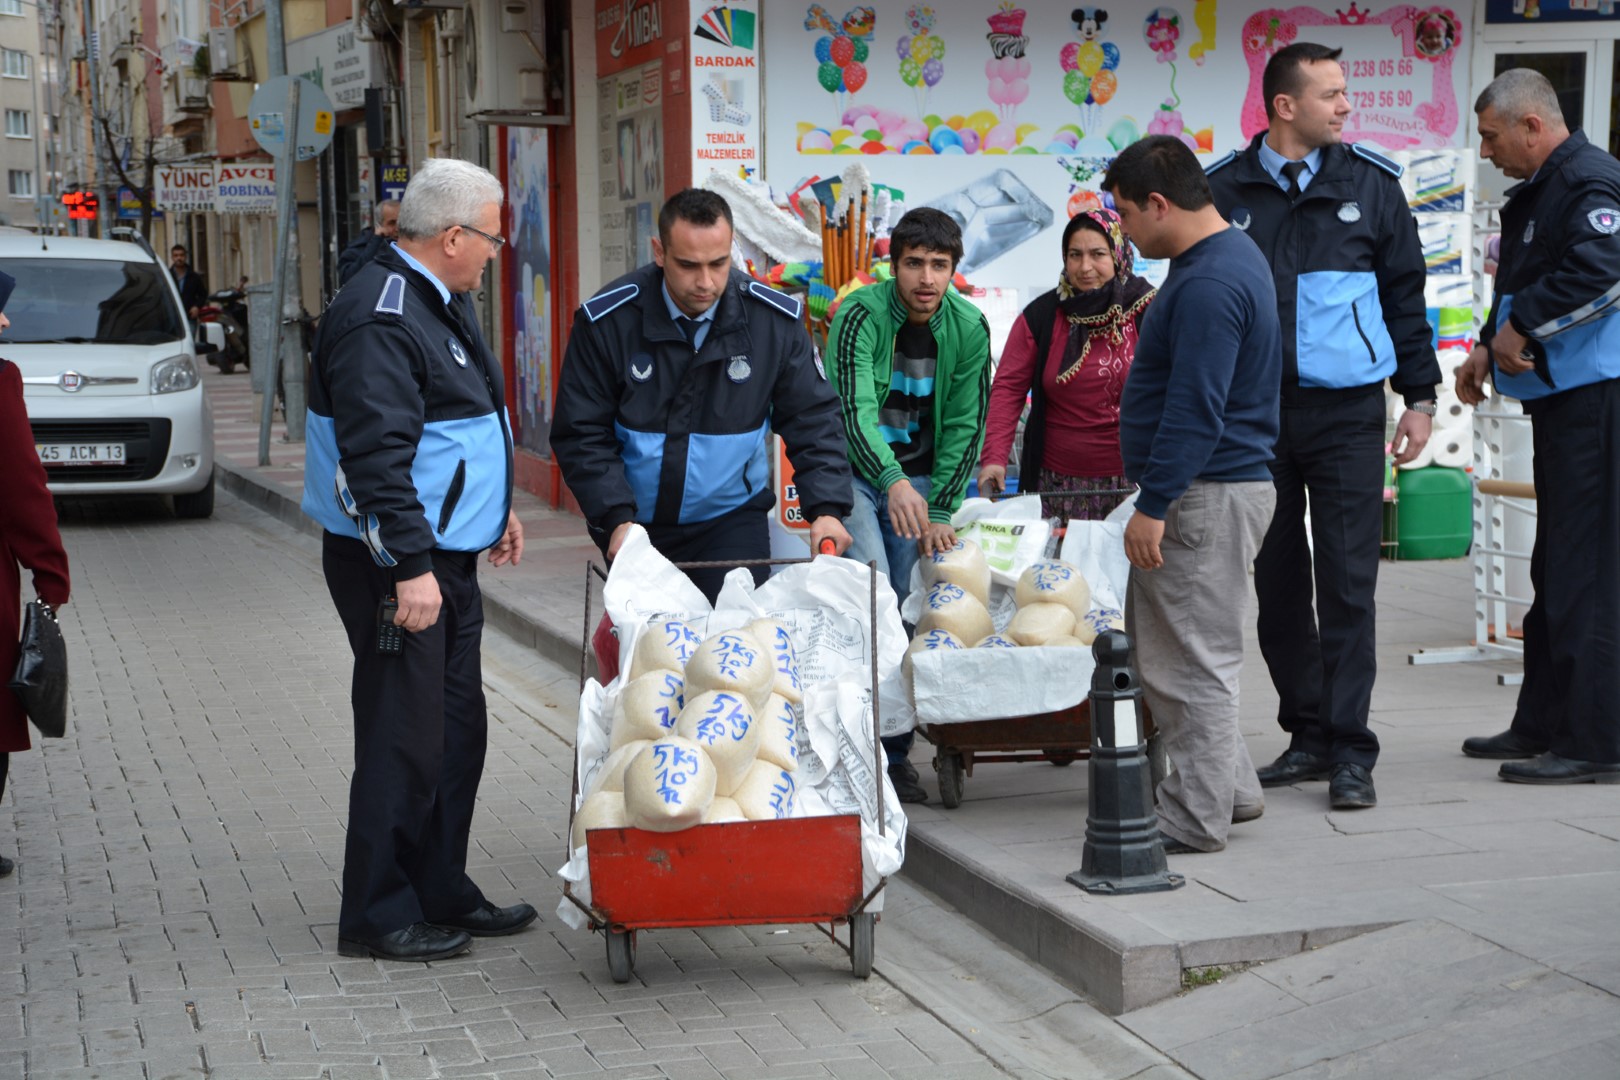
(1197, 424)
(28, 539)
(675, 377)
(1069, 353)
(1553, 341)
(1349, 273)
(409, 471)
(193, 290)
(370, 243)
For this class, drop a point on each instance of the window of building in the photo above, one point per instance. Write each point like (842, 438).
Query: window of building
(18, 124)
(20, 182)
(11, 7)
(13, 64)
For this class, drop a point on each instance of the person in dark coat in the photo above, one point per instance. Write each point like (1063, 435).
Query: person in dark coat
(28, 538)
(368, 245)
(193, 289)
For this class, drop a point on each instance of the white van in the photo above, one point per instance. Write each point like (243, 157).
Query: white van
(109, 370)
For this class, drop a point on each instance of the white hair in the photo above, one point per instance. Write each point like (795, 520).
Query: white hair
(1521, 92)
(445, 192)
(384, 205)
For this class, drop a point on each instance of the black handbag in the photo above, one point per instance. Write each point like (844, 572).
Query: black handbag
(41, 680)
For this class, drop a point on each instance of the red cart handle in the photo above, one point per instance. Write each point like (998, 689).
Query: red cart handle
(828, 546)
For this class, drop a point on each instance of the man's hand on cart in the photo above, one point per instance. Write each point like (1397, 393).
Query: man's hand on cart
(828, 529)
(1142, 536)
(908, 510)
(992, 479)
(939, 536)
(616, 541)
(1471, 376)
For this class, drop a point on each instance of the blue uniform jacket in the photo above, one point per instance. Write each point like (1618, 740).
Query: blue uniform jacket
(1348, 268)
(1558, 280)
(408, 447)
(647, 430)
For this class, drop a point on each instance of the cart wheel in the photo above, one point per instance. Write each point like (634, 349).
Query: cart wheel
(621, 950)
(951, 778)
(862, 935)
(1158, 759)
(1062, 758)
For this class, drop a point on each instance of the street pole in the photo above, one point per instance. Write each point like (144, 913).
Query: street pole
(39, 164)
(283, 289)
(91, 45)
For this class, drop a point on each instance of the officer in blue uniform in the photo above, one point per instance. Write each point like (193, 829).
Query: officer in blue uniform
(1349, 271)
(1553, 341)
(676, 375)
(409, 472)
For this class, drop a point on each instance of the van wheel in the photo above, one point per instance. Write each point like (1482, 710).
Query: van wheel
(199, 504)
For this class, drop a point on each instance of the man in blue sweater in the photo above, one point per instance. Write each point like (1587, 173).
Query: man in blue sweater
(1197, 423)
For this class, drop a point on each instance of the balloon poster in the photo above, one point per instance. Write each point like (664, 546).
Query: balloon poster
(1031, 102)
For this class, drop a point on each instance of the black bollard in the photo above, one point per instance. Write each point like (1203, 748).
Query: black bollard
(1123, 852)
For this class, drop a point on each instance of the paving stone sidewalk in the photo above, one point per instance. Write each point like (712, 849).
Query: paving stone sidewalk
(173, 912)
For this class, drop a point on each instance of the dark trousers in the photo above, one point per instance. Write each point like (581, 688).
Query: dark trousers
(420, 729)
(1570, 699)
(729, 539)
(1323, 660)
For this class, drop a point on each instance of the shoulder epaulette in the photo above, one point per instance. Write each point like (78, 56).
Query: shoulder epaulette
(1230, 157)
(782, 302)
(602, 303)
(1377, 159)
(392, 299)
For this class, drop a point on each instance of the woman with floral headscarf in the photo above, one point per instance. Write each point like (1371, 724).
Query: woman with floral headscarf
(1069, 351)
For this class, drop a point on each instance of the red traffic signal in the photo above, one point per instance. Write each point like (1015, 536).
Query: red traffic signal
(81, 205)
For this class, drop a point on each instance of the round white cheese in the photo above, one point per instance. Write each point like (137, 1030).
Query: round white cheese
(668, 785)
(609, 776)
(1068, 641)
(734, 661)
(1053, 581)
(952, 609)
(648, 706)
(779, 737)
(723, 723)
(603, 810)
(723, 809)
(1039, 623)
(996, 641)
(778, 643)
(962, 564)
(766, 793)
(668, 645)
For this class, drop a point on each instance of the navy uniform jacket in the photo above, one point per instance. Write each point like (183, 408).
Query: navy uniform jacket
(1558, 280)
(407, 442)
(648, 431)
(1349, 271)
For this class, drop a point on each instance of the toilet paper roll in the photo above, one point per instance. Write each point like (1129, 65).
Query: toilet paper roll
(1448, 404)
(1452, 451)
(1425, 457)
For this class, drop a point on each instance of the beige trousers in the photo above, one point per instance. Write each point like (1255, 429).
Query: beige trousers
(1186, 619)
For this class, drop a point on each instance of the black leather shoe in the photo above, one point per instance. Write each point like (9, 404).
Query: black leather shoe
(1292, 767)
(1509, 744)
(907, 785)
(1172, 846)
(1351, 788)
(419, 941)
(492, 921)
(6, 866)
(1549, 768)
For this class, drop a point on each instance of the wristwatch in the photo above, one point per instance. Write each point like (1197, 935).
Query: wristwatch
(1424, 407)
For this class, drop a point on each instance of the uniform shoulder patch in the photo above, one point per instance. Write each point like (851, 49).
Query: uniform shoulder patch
(1375, 158)
(1231, 156)
(602, 303)
(391, 301)
(782, 302)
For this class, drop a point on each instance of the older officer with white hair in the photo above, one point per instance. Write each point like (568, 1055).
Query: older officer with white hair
(409, 471)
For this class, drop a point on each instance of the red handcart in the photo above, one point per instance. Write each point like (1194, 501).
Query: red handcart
(796, 870)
